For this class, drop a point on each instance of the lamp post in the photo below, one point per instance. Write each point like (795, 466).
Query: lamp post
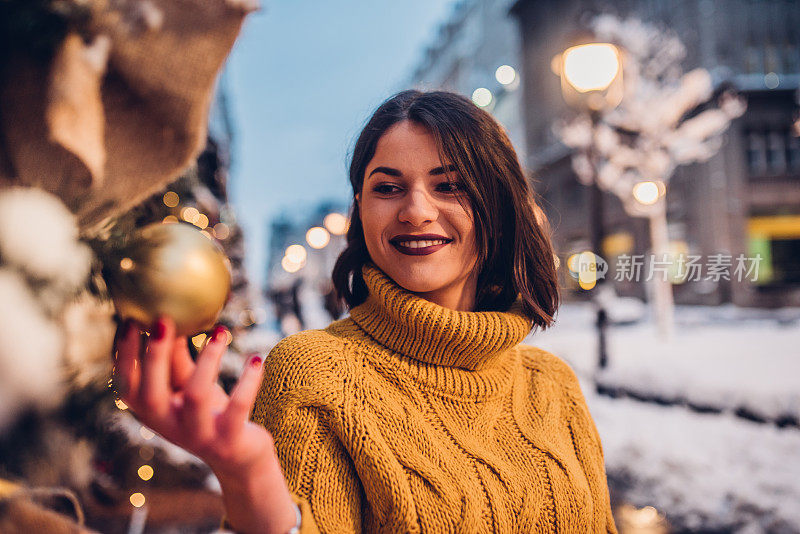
(591, 81)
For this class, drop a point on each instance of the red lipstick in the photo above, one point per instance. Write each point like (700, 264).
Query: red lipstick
(410, 244)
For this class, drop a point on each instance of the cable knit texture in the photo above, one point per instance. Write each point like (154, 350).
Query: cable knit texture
(411, 417)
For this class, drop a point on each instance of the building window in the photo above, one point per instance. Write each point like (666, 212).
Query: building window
(793, 152)
(752, 59)
(776, 152)
(791, 57)
(756, 152)
(772, 152)
(771, 60)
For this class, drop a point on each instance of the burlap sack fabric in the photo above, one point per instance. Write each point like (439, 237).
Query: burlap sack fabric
(113, 118)
(23, 511)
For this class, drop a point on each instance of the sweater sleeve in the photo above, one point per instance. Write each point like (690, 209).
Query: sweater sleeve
(299, 392)
(589, 451)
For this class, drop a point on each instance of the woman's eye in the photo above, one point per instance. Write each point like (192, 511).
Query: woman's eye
(451, 187)
(384, 189)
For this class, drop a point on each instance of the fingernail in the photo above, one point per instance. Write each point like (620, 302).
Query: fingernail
(219, 331)
(255, 361)
(161, 329)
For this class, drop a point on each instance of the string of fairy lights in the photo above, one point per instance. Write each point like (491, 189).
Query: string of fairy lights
(146, 454)
(192, 215)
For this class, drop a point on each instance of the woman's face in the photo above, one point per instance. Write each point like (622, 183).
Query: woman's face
(415, 228)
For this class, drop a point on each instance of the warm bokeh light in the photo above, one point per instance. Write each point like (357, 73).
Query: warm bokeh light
(246, 317)
(222, 231)
(137, 499)
(587, 269)
(572, 264)
(202, 221)
(289, 266)
(190, 214)
(120, 404)
(126, 264)
(336, 223)
(170, 219)
(557, 261)
(318, 237)
(146, 433)
(583, 266)
(146, 453)
(198, 340)
(296, 253)
(678, 256)
(505, 74)
(646, 193)
(587, 285)
(646, 519)
(591, 67)
(145, 472)
(482, 97)
(171, 199)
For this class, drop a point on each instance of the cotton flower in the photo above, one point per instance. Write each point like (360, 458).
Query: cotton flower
(89, 334)
(39, 236)
(30, 350)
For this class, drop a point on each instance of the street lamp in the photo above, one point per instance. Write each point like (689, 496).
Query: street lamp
(591, 81)
(591, 76)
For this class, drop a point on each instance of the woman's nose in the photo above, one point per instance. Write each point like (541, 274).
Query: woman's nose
(418, 209)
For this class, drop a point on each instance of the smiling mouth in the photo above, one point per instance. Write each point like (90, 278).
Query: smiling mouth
(419, 247)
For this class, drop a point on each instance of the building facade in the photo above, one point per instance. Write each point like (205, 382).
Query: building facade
(745, 200)
(477, 39)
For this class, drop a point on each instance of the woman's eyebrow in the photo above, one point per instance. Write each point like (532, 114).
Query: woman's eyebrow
(385, 170)
(442, 170)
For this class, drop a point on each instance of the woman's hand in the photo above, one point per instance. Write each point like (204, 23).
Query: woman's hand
(182, 401)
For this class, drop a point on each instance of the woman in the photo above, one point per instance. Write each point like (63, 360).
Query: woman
(421, 411)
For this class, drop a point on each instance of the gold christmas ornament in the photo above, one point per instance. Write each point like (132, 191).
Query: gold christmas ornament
(169, 269)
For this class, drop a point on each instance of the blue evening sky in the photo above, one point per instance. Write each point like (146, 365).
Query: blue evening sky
(304, 77)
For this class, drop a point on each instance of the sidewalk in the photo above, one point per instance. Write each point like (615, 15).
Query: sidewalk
(714, 472)
(727, 359)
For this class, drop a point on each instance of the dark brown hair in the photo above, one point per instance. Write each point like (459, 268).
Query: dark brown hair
(515, 254)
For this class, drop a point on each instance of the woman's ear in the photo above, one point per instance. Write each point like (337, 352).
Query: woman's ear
(358, 200)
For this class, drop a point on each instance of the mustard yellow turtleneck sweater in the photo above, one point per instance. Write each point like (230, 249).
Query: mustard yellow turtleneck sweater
(410, 417)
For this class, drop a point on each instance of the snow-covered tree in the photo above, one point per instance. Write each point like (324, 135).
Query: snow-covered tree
(666, 118)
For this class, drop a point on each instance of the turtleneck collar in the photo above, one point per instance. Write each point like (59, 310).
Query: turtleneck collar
(420, 329)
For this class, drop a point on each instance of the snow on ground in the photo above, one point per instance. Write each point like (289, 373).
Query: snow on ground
(714, 359)
(704, 471)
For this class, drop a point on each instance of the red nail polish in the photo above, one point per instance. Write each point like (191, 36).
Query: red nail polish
(160, 330)
(219, 332)
(255, 361)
